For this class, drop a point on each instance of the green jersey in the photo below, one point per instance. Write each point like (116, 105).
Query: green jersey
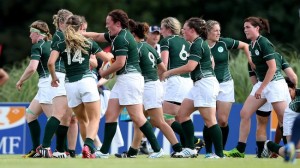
(41, 51)
(200, 52)
(262, 50)
(124, 44)
(220, 52)
(149, 59)
(178, 49)
(77, 64)
(295, 104)
(280, 62)
(57, 37)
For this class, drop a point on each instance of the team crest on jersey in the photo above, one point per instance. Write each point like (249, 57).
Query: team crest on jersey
(220, 49)
(256, 52)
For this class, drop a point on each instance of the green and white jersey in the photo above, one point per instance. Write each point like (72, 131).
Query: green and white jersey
(262, 50)
(149, 59)
(124, 44)
(295, 104)
(200, 52)
(77, 64)
(41, 51)
(57, 37)
(178, 49)
(220, 52)
(280, 63)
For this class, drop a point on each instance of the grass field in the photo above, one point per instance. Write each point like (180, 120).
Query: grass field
(16, 161)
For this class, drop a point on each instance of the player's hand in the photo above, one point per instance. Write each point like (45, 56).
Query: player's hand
(253, 67)
(55, 82)
(165, 75)
(258, 93)
(19, 85)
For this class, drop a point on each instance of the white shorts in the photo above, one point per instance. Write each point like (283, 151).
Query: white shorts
(267, 107)
(177, 88)
(288, 121)
(204, 93)
(226, 93)
(60, 90)
(84, 90)
(153, 94)
(104, 101)
(164, 84)
(275, 91)
(128, 89)
(44, 93)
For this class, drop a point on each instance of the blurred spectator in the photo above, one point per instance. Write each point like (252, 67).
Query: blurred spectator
(3, 74)
(154, 37)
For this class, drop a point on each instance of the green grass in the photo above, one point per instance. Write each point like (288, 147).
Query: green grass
(16, 161)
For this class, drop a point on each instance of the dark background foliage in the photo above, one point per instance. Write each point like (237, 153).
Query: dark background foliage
(17, 15)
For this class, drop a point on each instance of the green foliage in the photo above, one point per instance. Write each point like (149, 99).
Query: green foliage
(9, 93)
(240, 75)
(283, 17)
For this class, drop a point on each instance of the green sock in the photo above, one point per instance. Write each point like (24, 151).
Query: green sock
(207, 140)
(149, 134)
(283, 137)
(61, 136)
(177, 147)
(51, 127)
(241, 146)
(195, 139)
(72, 153)
(216, 137)
(90, 143)
(35, 133)
(188, 128)
(132, 151)
(225, 132)
(273, 147)
(66, 147)
(109, 133)
(260, 147)
(176, 126)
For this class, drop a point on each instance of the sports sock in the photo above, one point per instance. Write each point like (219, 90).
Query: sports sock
(176, 126)
(207, 139)
(90, 143)
(132, 151)
(273, 147)
(195, 139)
(50, 129)
(283, 137)
(72, 153)
(216, 136)
(241, 146)
(295, 131)
(225, 132)
(66, 147)
(188, 128)
(61, 136)
(148, 132)
(177, 147)
(260, 147)
(109, 133)
(35, 132)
